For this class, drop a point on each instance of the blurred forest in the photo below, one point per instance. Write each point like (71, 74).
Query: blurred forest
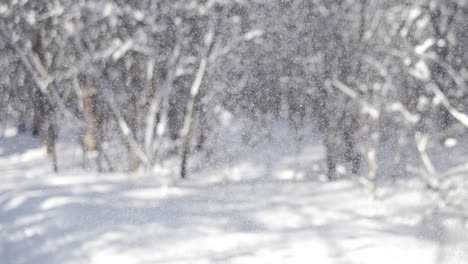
(363, 71)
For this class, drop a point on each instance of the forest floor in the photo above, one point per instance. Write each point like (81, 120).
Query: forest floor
(241, 211)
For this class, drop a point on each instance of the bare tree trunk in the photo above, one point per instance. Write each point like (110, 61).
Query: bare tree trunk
(349, 137)
(38, 111)
(44, 109)
(331, 154)
(329, 136)
(422, 140)
(297, 121)
(189, 116)
(23, 116)
(194, 100)
(400, 155)
(373, 142)
(156, 119)
(89, 137)
(133, 159)
(51, 141)
(204, 128)
(127, 134)
(44, 127)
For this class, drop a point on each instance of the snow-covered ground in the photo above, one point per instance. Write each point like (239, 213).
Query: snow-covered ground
(274, 209)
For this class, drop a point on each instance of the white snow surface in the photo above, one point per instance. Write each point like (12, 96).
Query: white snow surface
(242, 212)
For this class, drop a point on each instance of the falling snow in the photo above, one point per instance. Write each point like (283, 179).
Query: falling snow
(193, 131)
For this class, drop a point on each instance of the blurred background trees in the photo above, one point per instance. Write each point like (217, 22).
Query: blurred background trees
(367, 73)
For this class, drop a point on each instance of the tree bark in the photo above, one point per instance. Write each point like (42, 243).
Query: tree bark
(89, 136)
(194, 100)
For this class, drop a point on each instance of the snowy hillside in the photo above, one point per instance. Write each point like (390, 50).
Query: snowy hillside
(241, 212)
